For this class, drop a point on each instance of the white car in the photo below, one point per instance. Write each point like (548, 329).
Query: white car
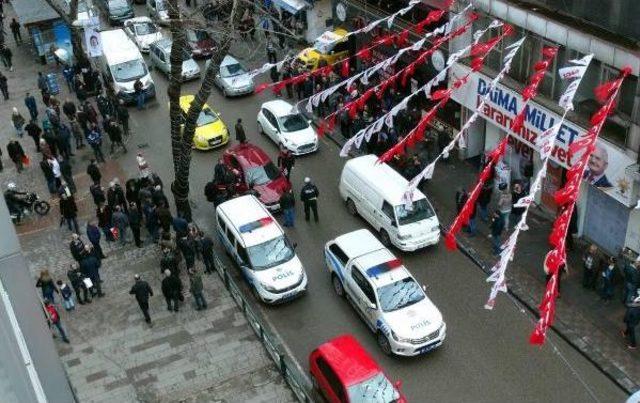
(283, 124)
(143, 32)
(87, 15)
(157, 10)
(384, 294)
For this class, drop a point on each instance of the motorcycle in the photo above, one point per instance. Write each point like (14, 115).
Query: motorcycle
(33, 204)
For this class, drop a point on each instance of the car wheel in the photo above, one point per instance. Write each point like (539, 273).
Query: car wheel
(384, 238)
(260, 129)
(351, 208)
(337, 286)
(384, 344)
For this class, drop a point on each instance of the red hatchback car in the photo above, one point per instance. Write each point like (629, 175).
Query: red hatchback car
(345, 373)
(201, 43)
(251, 165)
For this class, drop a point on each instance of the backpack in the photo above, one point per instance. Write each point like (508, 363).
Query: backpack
(53, 314)
(210, 191)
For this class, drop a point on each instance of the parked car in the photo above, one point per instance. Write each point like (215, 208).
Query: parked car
(143, 32)
(252, 166)
(262, 250)
(201, 43)
(376, 192)
(385, 294)
(211, 131)
(117, 10)
(344, 372)
(328, 48)
(86, 13)
(159, 54)
(284, 124)
(157, 10)
(233, 79)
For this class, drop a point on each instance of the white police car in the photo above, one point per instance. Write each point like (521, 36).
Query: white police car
(253, 238)
(384, 294)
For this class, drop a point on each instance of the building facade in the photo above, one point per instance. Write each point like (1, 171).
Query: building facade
(606, 214)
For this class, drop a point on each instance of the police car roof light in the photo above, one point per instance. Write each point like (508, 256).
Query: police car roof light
(263, 222)
(382, 268)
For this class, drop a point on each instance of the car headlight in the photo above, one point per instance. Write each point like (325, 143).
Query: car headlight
(398, 339)
(404, 237)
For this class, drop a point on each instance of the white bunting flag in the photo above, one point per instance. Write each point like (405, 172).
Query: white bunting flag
(574, 73)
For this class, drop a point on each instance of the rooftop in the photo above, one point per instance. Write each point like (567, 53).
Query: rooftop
(33, 11)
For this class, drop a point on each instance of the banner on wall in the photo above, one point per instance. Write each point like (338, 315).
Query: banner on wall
(92, 42)
(606, 169)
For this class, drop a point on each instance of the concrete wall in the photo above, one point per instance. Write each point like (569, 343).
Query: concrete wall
(24, 306)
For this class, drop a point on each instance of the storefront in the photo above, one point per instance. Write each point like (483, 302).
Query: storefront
(605, 202)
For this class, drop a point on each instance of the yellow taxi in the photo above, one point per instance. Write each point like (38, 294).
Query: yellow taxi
(328, 47)
(211, 132)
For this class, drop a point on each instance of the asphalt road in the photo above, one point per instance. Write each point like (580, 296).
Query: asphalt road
(486, 356)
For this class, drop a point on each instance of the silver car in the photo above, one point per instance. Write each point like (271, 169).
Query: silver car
(233, 79)
(160, 52)
(143, 32)
(158, 11)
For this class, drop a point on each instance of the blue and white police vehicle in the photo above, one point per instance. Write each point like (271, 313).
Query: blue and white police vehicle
(257, 243)
(384, 294)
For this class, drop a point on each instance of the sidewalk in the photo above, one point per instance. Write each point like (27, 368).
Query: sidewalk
(589, 324)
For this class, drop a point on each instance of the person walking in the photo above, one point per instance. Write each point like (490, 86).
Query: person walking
(69, 212)
(187, 246)
(591, 263)
(34, 131)
(115, 195)
(115, 136)
(67, 295)
(287, 204)
(93, 234)
(53, 318)
(309, 197)
(94, 138)
(135, 222)
(497, 227)
(7, 57)
(17, 154)
(121, 222)
(69, 109)
(272, 55)
(206, 251)
(142, 291)
(171, 289)
(138, 88)
(67, 174)
(631, 320)
(18, 122)
(98, 194)
(461, 198)
(76, 131)
(241, 136)
(30, 103)
(90, 268)
(76, 247)
(516, 194)
(57, 175)
(196, 288)
(79, 288)
(631, 282)
(43, 86)
(608, 272)
(46, 285)
(286, 161)
(504, 204)
(4, 86)
(94, 171)
(15, 30)
(123, 117)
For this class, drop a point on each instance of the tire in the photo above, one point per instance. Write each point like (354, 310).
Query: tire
(383, 343)
(41, 207)
(384, 238)
(260, 129)
(351, 208)
(337, 285)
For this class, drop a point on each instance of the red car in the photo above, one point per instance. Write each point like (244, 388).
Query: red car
(201, 43)
(344, 372)
(251, 165)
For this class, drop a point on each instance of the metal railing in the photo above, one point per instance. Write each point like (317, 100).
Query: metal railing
(289, 369)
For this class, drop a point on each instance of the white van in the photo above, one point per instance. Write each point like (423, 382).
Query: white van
(257, 243)
(375, 192)
(122, 64)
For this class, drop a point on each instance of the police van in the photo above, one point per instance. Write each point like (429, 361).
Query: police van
(257, 243)
(384, 294)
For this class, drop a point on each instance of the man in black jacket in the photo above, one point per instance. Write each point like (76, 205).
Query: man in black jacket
(241, 136)
(75, 278)
(76, 247)
(94, 172)
(309, 197)
(90, 267)
(142, 292)
(171, 289)
(287, 204)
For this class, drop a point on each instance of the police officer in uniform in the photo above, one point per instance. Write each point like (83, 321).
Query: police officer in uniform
(309, 197)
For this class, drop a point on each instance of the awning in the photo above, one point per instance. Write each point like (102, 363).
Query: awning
(291, 6)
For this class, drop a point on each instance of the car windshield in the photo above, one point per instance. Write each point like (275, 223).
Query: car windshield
(375, 389)
(420, 210)
(293, 123)
(197, 36)
(400, 294)
(270, 253)
(118, 4)
(145, 28)
(231, 70)
(206, 117)
(263, 174)
(129, 71)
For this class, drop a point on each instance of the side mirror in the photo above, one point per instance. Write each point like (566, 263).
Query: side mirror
(394, 223)
(424, 287)
(398, 384)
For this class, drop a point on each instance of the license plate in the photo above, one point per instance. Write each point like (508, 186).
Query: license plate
(428, 348)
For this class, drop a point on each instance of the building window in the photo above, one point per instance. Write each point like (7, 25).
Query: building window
(521, 64)
(548, 85)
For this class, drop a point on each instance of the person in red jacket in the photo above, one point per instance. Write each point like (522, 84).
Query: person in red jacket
(53, 318)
